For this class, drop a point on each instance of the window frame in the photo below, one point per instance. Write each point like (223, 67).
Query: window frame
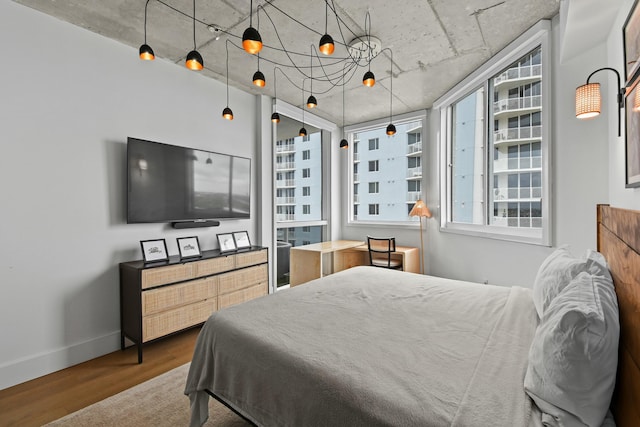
(349, 131)
(538, 35)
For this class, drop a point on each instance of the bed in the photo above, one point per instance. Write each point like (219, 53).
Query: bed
(375, 347)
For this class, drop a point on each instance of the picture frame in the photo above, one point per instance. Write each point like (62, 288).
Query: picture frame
(632, 139)
(226, 242)
(189, 247)
(241, 238)
(154, 250)
(631, 43)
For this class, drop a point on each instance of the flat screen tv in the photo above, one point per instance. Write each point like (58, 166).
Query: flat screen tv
(167, 183)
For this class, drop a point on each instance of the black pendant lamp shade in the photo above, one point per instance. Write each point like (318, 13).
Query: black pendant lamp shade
(251, 41)
(344, 144)
(391, 129)
(326, 45)
(275, 118)
(368, 79)
(194, 61)
(146, 53)
(312, 102)
(258, 79)
(227, 113)
(303, 131)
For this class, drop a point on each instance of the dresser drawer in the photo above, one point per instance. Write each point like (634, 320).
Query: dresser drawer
(207, 267)
(161, 299)
(251, 258)
(230, 282)
(158, 325)
(233, 298)
(164, 275)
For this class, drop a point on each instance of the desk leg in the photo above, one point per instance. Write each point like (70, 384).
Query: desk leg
(304, 266)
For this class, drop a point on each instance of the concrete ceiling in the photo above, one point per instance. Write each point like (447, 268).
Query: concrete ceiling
(435, 43)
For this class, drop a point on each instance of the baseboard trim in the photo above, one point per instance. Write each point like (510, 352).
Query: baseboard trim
(31, 367)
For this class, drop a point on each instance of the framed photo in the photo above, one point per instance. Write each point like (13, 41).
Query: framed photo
(631, 40)
(154, 250)
(226, 242)
(242, 239)
(632, 140)
(189, 247)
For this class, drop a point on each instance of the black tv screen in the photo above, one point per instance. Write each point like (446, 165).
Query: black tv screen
(167, 183)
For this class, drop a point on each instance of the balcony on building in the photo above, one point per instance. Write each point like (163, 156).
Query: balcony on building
(280, 166)
(518, 134)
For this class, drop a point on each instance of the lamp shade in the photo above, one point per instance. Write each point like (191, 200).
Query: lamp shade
(275, 118)
(344, 144)
(420, 209)
(368, 79)
(303, 132)
(258, 79)
(251, 41)
(227, 113)
(326, 45)
(194, 61)
(146, 53)
(391, 129)
(312, 102)
(588, 100)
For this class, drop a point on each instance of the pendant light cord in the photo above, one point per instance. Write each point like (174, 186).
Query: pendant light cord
(226, 45)
(145, 21)
(194, 24)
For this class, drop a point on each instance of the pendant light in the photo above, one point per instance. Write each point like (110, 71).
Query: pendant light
(326, 42)
(311, 101)
(275, 117)
(227, 113)
(391, 129)
(146, 53)
(251, 40)
(343, 143)
(303, 131)
(368, 79)
(258, 77)
(194, 59)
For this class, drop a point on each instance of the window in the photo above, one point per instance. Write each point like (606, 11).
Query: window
(306, 209)
(306, 154)
(391, 170)
(494, 129)
(306, 173)
(306, 191)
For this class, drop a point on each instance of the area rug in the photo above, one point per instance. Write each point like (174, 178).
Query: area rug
(157, 402)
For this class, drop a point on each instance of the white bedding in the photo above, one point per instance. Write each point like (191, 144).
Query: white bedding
(371, 347)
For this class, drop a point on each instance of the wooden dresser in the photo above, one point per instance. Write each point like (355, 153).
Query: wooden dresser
(158, 299)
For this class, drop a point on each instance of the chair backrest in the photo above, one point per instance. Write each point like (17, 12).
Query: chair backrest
(381, 248)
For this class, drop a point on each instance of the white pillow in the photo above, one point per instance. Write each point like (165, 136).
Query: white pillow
(554, 274)
(574, 354)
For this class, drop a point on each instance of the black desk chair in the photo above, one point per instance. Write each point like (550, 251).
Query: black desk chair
(380, 250)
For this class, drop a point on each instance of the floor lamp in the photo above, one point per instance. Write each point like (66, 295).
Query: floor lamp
(421, 210)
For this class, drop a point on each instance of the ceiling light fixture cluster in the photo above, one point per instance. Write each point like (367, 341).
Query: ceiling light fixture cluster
(359, 52)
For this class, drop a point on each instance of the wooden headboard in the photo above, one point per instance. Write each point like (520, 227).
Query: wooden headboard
(619, 242)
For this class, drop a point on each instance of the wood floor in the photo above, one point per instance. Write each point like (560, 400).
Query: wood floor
(48, 398)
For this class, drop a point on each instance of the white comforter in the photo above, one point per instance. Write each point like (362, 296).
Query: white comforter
(371, 347)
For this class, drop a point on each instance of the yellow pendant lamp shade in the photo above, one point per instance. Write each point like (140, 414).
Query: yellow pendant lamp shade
(326, 45)
(227, 113)
(146, 53)
(368, 79)
(194, 61)
(258, 79)
(251, 41)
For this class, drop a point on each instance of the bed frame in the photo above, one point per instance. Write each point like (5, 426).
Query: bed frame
(619, 242)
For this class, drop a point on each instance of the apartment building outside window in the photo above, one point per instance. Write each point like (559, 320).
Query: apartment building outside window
(496, 177)
(391, 171)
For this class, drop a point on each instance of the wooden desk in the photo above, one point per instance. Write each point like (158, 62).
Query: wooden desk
(306, 262)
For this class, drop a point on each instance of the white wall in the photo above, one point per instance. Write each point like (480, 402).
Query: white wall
(69, 99)
(587, 169)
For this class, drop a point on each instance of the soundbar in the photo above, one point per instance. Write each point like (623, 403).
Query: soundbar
(195, 224)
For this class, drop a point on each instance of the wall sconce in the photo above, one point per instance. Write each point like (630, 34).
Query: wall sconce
(588, 99)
